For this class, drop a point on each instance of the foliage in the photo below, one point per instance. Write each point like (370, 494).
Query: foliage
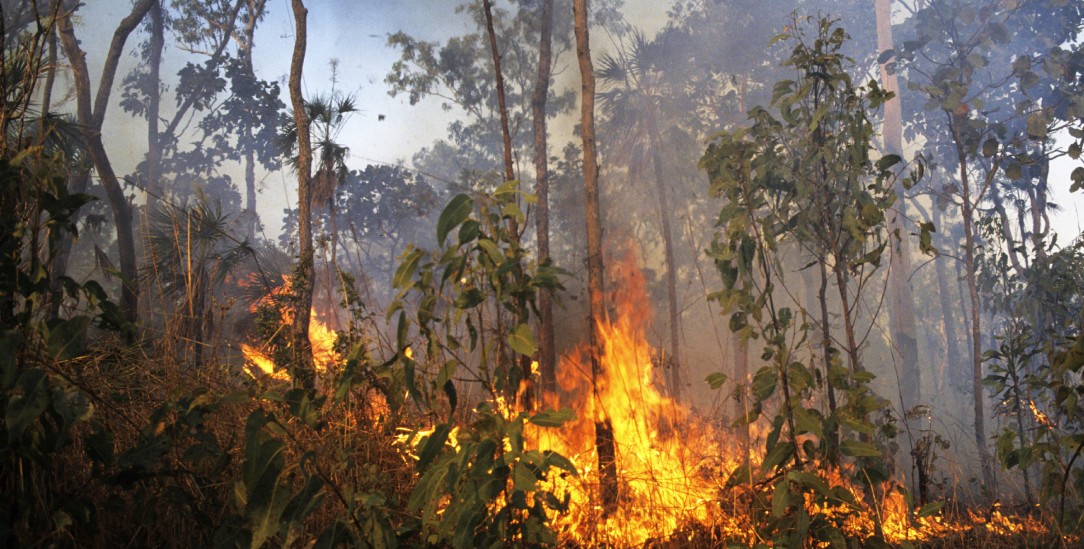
(475, 299)
(804, 178)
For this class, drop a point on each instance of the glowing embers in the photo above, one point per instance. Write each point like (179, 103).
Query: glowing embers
(321, 338)
(668, 461)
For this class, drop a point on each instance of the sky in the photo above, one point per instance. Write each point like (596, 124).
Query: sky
(352, 32)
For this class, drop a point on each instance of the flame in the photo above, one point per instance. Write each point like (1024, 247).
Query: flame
(321, 338)
(667, 458)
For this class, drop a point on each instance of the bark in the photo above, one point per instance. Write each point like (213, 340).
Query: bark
(509, 174)
(970, 274)
(547, 355)
(91, 121)
(249, 33)
(154, 101)
(304, 375)
(509, 171)
(901, 302)
(604, 438)
(948, 316)
(826, 343)
(673, 380)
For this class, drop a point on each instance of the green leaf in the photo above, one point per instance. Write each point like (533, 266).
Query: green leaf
(66, 339)
(989, 147)
(1037, 127)
(32, 401)
(716, 379)
(552, 418)
(930, 508)
(764, 382)
(523, 478)
(457, 211)
(780, 499)
(857, 448)
(887, 161)
(407, 268)
(433, 445)
(522, 340)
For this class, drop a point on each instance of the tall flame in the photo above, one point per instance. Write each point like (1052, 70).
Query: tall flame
(321, 337)
(667, 460)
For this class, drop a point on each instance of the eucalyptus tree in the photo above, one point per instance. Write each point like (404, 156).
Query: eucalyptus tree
(547, 359)
(802, 173)
(604, 434)
(994, 83)
(235, 113)
(91, 118)
(303, 372)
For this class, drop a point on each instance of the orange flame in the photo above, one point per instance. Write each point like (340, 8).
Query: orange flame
(667, 460)
(321, 338)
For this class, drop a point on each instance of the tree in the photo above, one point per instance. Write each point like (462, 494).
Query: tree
(303, 372)
(91, 118)
(547, 359)
(802, 176)
(604, 438)
(901, 304)
(634, 97)
(995, 81)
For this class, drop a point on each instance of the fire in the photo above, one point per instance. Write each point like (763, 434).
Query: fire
(321, 337)
(668, 460)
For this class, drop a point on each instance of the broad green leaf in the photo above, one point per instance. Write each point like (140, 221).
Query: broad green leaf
(66, 339)
(523, 478)
(433, 445)
(857, 448)
(522, 340)
(552, 418)
(930, 508)
(780, 499)
(457, 211)
(32, 401)
(403, 275)
(716, 380)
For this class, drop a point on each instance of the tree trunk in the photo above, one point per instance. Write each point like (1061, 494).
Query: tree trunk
(604, 436)
(901, 303)
(673, 380)
(948, 317)
(826, 343)
(303, 375)
(154, 100)
(509, 175)
(547, 354)
(971, 276)
(91, 122)
(251, 219)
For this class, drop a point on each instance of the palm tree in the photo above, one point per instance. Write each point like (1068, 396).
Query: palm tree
(327, 115)
(191, 253)
(633, 99)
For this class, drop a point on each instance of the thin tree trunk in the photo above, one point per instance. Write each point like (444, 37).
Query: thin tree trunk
(509, 171)
(967, 212)
(509, 175)
(826, 343)
(948, 317)
(91, 122)
(303, 374)
(547, 354)
(901, 302)
(251, 219)
(674, 374)
(154, 101)
(604, 436)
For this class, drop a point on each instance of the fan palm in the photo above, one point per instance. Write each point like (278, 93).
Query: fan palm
(634, 96)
